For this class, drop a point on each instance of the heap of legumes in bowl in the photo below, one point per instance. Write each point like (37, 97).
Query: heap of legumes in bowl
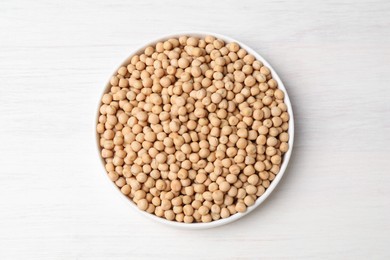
(195, 130)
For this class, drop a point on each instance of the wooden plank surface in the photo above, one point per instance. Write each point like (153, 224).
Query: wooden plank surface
(334, 58)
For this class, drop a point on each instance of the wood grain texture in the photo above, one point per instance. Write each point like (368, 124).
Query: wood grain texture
(334, 58)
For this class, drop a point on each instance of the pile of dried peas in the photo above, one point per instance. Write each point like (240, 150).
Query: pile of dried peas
(193, 129)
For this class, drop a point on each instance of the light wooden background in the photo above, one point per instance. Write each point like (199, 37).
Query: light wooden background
(55, 58)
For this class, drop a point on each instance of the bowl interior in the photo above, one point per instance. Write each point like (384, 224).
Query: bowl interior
(286, 156)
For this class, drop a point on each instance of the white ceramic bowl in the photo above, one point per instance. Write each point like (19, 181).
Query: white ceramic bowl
(286, 156)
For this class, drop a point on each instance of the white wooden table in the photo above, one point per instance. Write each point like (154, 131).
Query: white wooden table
(334, 58)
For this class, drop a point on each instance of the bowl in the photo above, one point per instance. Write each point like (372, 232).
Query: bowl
(274, 183)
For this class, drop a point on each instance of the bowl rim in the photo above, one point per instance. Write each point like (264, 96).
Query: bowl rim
(286, 156)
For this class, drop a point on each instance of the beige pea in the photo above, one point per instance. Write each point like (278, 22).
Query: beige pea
(114, 81)
(253, 179)
(283, 147)
(126, 189)
(218, 195)
(277, 121)
(142, 204)
(251, 189)
(267, 100)
(225, 213)
(284, 137)
(264, 175)
(188, 210)
(260, 190)
(159, 212)
(166, 204)
(196, 71)
(279, 94)
(249, 170)
(250, 81)
(188, 219)
(240, 207)
(264, 70)
(241, 143)
(249, 201)
(176, 185)
(285, 117)
(233, 47)
(239, 76)
(192, 41)
(203, 210)
(231, 178)
(160, 184)
(183, 63)
(113, 176)
(224, 186)
(107, 153)
(276, 159)
(169, 215)
(165, 82)
(234, 169)
(272, 141)
(216, 98)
